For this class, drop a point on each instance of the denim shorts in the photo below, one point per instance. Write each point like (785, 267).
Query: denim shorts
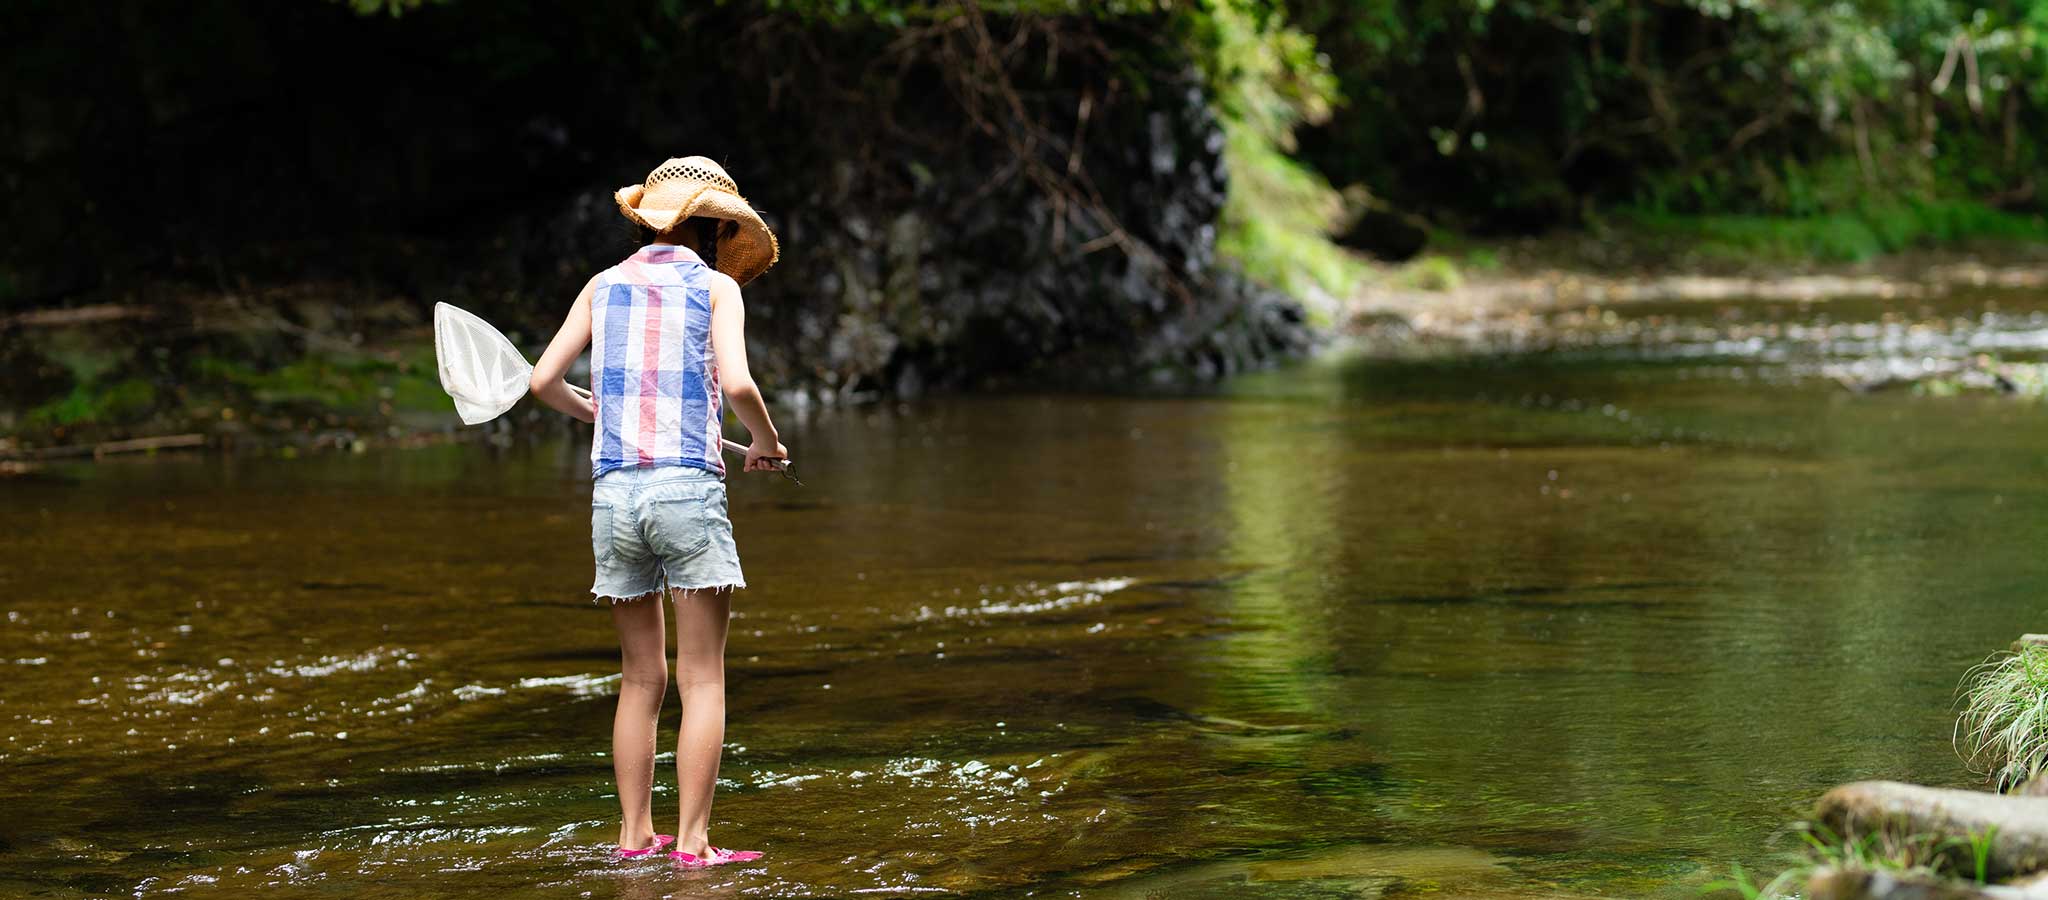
(656, 525)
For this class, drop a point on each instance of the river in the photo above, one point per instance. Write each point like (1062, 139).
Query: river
(1594, 618)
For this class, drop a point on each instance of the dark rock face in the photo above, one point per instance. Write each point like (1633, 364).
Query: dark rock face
(965, 280)
(1023, 202)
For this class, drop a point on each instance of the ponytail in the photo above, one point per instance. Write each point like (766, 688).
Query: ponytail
(706, 235)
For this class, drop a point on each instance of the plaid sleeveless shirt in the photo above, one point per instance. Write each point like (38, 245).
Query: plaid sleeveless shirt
(654, 381)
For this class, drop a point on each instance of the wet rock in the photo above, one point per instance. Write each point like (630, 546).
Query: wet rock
(1870, 884)
(2014, 828)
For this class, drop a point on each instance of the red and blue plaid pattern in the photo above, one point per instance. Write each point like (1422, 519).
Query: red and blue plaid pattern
(655, 381)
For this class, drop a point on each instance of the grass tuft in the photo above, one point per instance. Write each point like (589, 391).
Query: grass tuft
(2003, 729)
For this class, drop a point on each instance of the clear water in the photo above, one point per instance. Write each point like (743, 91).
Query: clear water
(1595, 617)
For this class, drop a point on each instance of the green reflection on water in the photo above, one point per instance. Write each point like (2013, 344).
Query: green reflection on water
(1569, 624)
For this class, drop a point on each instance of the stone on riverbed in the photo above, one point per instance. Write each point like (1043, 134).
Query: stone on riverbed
(1874, 884)
(2016, 828)
(1358, 872)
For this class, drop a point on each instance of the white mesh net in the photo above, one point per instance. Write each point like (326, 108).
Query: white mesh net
(479, 367)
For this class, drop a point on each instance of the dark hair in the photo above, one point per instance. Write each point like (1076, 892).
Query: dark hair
(705, 230)
(701, 232)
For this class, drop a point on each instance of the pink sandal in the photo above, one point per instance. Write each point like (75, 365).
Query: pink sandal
(719, 856)
(660, 841)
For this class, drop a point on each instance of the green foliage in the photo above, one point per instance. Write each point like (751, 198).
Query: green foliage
(1267, 77)
(2003, 729)
(347, 383)
(1430, 273)
(392, 8)
(1980, 854)
(1855, 234)
(1482, 259)
(114, 403)
(350, 384)
(894, 13)
(898, 14)
(1277, 219)
(88, 383)
(1493, 115)
(1267, 80)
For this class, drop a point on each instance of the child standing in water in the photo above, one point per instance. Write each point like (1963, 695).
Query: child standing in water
(666, 331)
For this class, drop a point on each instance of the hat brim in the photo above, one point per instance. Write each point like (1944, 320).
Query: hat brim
(744, 254)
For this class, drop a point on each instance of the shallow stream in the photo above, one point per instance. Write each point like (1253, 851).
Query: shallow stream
(1563, 617)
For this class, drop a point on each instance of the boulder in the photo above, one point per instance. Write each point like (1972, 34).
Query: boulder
(2015, 827)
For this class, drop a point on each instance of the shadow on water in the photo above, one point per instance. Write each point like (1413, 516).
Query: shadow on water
(1587, 621)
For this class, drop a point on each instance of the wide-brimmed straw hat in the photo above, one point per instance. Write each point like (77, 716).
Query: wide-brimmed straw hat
(695, 186)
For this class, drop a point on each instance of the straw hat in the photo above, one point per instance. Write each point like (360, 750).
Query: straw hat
(695, 186)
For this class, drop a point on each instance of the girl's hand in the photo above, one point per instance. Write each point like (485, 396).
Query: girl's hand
(764, 456)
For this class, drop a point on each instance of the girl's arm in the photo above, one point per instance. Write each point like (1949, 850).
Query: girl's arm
(547, 383)
(729, 350)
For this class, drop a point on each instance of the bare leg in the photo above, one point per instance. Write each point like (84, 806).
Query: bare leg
(701, 618)
(643, 683)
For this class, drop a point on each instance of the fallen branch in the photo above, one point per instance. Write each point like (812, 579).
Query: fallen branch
(109, 448)
(77, 315)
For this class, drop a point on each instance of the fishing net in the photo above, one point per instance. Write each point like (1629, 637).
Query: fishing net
(479, 367)
(487, 375)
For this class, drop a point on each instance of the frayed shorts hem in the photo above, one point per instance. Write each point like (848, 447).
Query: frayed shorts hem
(597, 597)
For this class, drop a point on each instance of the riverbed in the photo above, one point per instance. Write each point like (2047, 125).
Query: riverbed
(1592, 605)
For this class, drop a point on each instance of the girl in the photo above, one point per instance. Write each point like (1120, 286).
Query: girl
(666, 331)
